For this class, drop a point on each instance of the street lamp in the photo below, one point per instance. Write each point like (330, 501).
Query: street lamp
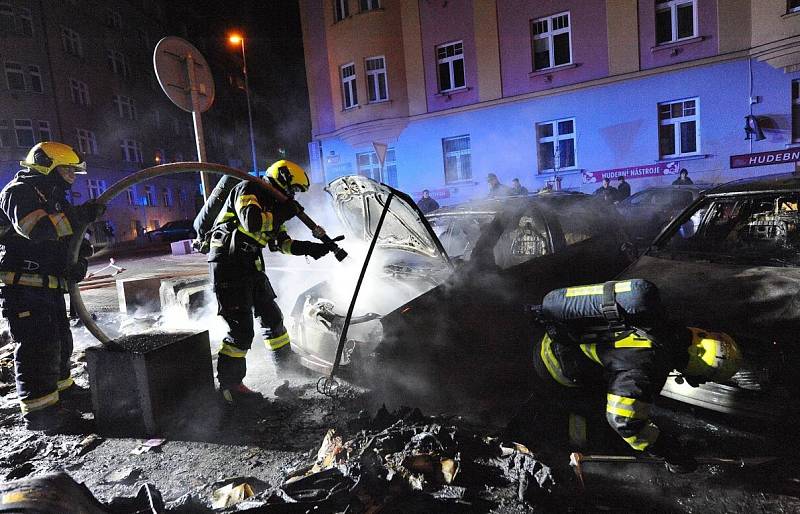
(238, 39)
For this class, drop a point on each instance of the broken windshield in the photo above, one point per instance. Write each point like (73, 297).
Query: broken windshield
(458, 234)
(759, 229)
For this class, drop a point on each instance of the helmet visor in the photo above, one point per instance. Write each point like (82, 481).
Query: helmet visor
(78, 169)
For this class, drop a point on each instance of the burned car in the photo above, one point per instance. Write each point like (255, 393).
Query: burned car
(731, 262)
(454, 282)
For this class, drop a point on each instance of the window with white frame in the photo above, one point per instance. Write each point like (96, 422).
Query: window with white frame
(166, 197)
(117, 63)
(131, 150)
(376, 79)
(457, 159)
(44, 131)
(551, 41)
(793, 6)
(450, 60)
(79, 91)
(96, 187)
(113, 19)
(6, 17)
(35, 77)
(125, 106)
(369, 166)
(24, 132)
(678, 133)
(149, 197)
(340, 9)
(15, 76)
(796, 109)
(369, 5)
(87, 142)
(24, 22)
(71, 42)
(675, 20)
(130, 195)
(555, 141)
(349, 94)
(5, 135)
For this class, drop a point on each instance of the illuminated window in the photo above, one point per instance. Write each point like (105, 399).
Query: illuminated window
(130, 194)
(349, 94)
(369, 5)
(677, 131)
(125, 106)
(457, 159)
(675, 20)
(14, 76)
(556, 145)
(551, 41)
(369, 166)
(87, 142)
(131, 150)
(44, 131)
(71, 42)
(149, 197)
(24, 132)
(79, 92)
(96, 187)
(35, 77)
(376, 79)
(340, 9)
(450, 59)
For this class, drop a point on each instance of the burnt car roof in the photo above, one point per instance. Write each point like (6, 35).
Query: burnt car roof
(505, 202)
(762, 184)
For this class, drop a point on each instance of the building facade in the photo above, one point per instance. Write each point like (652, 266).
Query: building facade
(564, 92)
(81, 72)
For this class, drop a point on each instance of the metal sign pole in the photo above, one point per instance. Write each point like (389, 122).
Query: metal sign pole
(198, 124)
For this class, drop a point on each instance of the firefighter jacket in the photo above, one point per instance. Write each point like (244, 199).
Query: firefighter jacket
(34, 230)
(249, 221)
(632, 366)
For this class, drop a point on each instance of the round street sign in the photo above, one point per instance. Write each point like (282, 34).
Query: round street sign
(178, 64)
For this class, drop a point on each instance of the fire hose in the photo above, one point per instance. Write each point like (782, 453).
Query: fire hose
(169, 169)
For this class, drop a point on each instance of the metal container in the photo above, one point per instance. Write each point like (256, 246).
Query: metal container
(153, 384)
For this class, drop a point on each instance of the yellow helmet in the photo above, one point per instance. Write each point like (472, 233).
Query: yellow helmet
(288, 176)
(45, 157)
(712, 355)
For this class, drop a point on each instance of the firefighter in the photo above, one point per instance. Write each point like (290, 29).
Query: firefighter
(631, 367)
(250, 220)
(36, 223)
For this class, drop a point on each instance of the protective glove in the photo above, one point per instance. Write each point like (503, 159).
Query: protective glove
(201, 245)
(77, 272)
(676, 458)
(86, 250)
(314, 250)
(87, 212)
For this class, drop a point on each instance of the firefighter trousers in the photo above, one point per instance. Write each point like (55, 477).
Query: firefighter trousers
(238, 302)
(38, 323)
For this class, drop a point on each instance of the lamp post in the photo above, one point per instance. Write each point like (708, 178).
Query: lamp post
(237, 39)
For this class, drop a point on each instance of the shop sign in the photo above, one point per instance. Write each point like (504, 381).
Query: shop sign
(765, 158)
(648, 170)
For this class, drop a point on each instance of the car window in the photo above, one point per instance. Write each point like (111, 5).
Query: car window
(524, 237)
(643, 198)
(458, 234)
(758, 229)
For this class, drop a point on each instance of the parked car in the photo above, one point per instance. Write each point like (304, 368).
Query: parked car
(172, 231)
(452, 287)
(731, 262)
(646, 212)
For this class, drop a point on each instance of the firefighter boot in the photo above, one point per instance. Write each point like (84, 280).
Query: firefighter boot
(57, 420)
(239, 394)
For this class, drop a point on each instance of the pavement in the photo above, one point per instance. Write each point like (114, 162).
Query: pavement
(272, 438)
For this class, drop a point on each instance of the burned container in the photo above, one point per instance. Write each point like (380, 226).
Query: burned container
(151, 384)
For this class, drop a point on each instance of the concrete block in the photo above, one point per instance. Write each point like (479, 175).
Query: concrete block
(138, 294)
(182, 247)
(152, 384)
(188, 293)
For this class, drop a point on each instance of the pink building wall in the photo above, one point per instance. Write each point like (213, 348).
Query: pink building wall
(445, 22)
(589, 43)
(652, 57)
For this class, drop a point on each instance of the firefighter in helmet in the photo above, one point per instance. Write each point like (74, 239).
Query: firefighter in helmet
(36, 224)
(250, 220)
(631, 367)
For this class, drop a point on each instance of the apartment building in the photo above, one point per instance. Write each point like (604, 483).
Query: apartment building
(80, 72)
(551, 91)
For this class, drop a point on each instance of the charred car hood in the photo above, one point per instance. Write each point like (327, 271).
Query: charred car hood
(359, 201)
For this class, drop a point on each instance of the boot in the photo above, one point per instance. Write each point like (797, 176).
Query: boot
(57, 420)
(76, 397)
(239, 393)
(285, 359)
